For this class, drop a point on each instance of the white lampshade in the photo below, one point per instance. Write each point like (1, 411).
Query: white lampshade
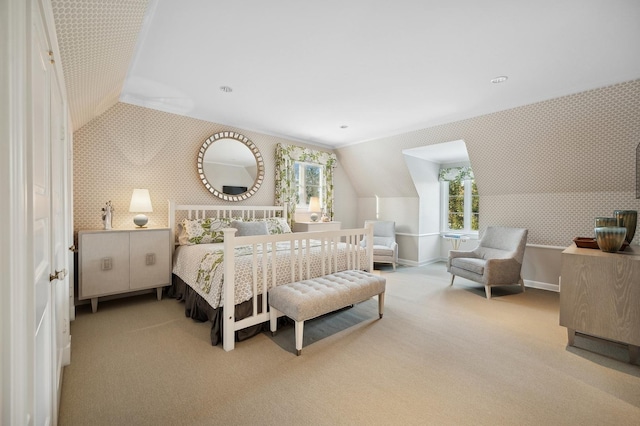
(314, 208)
(140, 203)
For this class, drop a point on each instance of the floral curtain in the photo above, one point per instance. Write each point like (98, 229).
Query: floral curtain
(455, 174)
(286, 189)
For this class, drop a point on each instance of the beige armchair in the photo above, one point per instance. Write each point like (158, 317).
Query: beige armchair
(385, 247)
(496, 261)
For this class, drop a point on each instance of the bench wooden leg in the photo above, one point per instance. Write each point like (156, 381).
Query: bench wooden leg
(381, 304)
(299, 331)
(273, 320)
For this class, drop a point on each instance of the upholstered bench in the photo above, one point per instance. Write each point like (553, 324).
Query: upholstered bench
(307, 299)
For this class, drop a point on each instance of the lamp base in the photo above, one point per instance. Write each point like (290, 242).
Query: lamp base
(314, 217)
(141, 220)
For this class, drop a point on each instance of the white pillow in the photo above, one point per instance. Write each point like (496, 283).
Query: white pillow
(250, 228)
(276, 225)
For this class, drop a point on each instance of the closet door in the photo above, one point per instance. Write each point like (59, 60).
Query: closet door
(40, 175)
(60, 241)
(47, 176)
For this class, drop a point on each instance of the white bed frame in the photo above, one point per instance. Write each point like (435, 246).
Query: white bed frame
(301, 264)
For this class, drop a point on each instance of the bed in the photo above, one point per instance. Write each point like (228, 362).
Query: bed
(208, 280)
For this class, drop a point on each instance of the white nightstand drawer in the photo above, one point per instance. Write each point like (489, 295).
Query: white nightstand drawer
(150, 265)
(104, 267)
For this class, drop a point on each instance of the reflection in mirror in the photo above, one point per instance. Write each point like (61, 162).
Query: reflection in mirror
(230, 166)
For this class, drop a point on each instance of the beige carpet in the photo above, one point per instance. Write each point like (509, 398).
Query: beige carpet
(440, 356)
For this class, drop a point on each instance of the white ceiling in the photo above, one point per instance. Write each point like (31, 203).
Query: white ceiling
(301, 69)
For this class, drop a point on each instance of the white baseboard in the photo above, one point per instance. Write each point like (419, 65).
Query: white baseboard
(406, 262)
(542, 286)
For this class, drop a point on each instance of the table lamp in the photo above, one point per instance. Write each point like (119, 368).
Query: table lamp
(314, 208)
(140, 203)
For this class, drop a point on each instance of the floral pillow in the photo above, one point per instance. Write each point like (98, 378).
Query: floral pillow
(202, 231)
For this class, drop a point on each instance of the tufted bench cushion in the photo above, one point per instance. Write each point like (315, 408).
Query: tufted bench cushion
(307, 299)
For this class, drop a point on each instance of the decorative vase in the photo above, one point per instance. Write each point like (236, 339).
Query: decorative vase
(628, 219)
(605, 221)
(610, 238)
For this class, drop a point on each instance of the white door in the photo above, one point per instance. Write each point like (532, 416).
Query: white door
(59, 234)
(40, 176)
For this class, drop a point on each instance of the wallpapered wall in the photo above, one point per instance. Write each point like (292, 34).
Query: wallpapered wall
(131, 147)
(550, 167)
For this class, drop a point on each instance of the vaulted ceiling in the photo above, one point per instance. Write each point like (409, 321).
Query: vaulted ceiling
(336, 72)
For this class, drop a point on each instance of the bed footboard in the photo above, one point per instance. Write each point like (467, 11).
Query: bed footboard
(327, 245)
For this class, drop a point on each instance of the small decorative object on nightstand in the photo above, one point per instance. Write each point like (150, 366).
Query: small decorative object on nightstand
(107, 212)
(314, 208)
(140, 203)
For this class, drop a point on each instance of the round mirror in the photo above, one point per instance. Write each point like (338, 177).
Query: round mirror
(230, 166)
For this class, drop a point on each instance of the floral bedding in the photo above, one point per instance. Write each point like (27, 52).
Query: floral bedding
(201, 267)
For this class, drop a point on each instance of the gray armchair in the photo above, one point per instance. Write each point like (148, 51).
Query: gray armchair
(385, 247)
(496, 261)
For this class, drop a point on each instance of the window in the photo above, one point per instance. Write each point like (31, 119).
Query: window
(460, 202)
(309, 178)
(295, 182)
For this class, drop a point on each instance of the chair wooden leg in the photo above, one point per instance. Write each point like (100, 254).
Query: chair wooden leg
(452, 277)
(522, 284)
(487, 290)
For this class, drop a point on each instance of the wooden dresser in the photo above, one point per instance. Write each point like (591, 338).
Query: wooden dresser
(600, 295)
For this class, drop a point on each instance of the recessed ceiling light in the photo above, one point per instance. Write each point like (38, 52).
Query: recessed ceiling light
(226, 89)
(500, 79)
(344, 126)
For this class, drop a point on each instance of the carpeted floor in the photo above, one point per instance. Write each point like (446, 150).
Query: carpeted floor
(440, 356)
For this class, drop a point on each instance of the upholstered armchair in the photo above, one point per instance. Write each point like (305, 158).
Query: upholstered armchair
(496, 261)
(385, 247)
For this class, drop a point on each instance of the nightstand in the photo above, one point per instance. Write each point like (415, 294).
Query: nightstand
(316, 226)
(121, 261)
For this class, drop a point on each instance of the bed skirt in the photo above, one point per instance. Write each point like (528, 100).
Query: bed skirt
(197, 308)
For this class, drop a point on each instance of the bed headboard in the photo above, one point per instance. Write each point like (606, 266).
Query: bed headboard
(177, 212)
